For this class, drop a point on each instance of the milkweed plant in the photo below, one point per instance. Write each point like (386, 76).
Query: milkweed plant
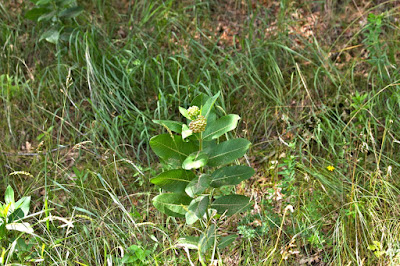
(199, 160)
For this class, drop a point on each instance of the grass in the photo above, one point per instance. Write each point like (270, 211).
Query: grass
(78, 116)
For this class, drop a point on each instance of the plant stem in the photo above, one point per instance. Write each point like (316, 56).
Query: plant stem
(201, 141)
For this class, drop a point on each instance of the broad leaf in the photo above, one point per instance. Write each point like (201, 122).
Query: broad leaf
(231, 175)
(195, 161)
(15, 215)
(3, 213)
(23, 203)
(212, 117)
(209, 104)
(200, 100)
(173, 180)
(198, 185)
(35, 13)
(196, 209)
(186, 132)
(207, 240)
(199, 206)
(20, 227)
(64, 3)
(51, 36)
(9, 195)
(47, 16)
(4, 209)
(184, 112)
(228, 151)
(167, 147)
(221, 126)
(226, 241)
(42, 2)
(190, 217)
(190, 242)
(71, 12)
(231, 204)
(173, 126)
(172, 204)
(208, 146)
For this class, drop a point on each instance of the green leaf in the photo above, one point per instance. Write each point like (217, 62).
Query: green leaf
(173, 180)
(9, 195)
(42, 2)
(199, 206)
(195, 161)
(71, 12)
(136, 62)
(35, 13)
(173, 126)
(23, 204)
(196, 210)
(200, 100)
(3, 213)
(221, 126)
(20, 227)
(207, 240)
(190, 217)
(190, 242)
(47, 16)
(63, 3)
(207, 107)
(15, 215)
(228, 151)
(226, 241)
(231, 175)
(212, 117)
(184, 112)
(172, 204)
(84, 211)
(186, 132)
(51, 36)
(167, 147)
(231, 204)
(198, 185)
(208, 146)
(4, 209)
(3, 233)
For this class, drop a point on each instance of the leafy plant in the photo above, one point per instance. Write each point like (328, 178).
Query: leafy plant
(288, 172)
(56, 14)
(136, 255)
(200, 155)
(11, 215)
(11, 220)
(376, 247)
(360, 103)
(372, 31)
(9, 87)
(246, 232)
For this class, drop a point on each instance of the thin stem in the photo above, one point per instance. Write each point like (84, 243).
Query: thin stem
(201, 141)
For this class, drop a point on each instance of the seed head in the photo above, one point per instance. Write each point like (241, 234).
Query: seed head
(198, 125)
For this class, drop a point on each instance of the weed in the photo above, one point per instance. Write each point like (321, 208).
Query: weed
(198, 157)
(54, 14)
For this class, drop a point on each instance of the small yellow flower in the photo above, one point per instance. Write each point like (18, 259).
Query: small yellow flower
(330, 168)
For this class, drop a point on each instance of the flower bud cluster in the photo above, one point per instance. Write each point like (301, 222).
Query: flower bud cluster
(199, 122)
(193, 112)
(198, 125)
